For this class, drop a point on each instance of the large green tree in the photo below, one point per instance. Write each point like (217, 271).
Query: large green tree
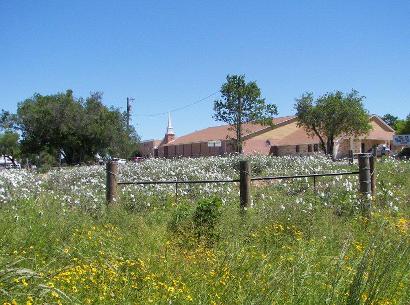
(10, 146)
(76, 128)
(241, 103)
(332, 115)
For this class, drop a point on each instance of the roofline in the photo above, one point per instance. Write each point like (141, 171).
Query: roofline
(383, 122)
(269, 128)
(150, 140)
(290, 119)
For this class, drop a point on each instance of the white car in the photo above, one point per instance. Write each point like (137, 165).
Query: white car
(119, 161)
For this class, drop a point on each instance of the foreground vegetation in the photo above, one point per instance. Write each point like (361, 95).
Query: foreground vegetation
(293, 246)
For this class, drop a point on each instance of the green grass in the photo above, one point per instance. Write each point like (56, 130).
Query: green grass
(320, 251)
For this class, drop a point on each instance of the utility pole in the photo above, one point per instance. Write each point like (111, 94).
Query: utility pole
(129, 100)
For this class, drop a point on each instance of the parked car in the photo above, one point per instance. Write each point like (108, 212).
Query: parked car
(119, 161)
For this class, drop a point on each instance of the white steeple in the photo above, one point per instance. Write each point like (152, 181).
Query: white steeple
(170, 129)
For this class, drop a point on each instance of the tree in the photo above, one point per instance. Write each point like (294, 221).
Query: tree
(241, 103)
(76, 128)
(332, 115)
(403, 126)
(7, 120)
(390, 120)
(10, 146)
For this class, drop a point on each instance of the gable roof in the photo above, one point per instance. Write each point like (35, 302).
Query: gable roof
(297, 137)
(222, 132)
(380, 130)
(383, 124)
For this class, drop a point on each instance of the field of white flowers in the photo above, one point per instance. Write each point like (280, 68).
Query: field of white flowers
(88, 182)
(61, 244)
(85, 185)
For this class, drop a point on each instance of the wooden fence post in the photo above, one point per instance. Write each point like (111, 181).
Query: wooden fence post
(351, 156)
(365, 181)
(372, 161)
(245, 183)
(112, 181)
(374, 151)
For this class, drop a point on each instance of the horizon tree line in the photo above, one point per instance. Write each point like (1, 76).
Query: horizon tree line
(48, 127)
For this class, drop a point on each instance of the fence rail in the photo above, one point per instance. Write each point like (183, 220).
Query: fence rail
(236, 180)
(366, 172)
(304, 176)
(179, 182)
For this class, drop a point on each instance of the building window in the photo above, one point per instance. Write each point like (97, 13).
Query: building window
(315, 147)
(310, 148)
(297, 148)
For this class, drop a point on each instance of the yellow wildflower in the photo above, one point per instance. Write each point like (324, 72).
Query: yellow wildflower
(402, 225)
(359, 246)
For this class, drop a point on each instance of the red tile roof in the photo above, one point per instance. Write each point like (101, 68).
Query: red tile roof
(299, 136)
(222, 132)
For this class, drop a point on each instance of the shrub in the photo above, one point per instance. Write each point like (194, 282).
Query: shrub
(206, 216)
(404, 153)
(181, 219)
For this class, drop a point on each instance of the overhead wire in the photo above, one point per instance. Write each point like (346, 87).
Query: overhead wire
(178, 108)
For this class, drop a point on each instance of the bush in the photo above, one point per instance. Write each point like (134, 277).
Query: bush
(206, 216)
(181, 220)
(404, 153)
(192, 224)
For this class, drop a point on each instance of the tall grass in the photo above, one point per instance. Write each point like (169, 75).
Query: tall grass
(291, 247)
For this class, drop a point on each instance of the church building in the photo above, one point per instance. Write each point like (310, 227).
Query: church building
(283, 138)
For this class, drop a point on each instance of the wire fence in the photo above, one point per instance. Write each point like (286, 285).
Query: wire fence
(365, 173)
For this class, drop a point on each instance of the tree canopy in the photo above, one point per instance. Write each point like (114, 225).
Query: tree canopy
(7, 120)
(77, 129)
(10, 146)
(332, 115)
(241, 103)
(403, 126)
(390, 120)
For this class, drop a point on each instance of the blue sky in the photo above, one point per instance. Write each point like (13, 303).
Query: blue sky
(167, 54)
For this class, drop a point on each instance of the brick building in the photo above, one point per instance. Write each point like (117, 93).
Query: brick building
(284, 138)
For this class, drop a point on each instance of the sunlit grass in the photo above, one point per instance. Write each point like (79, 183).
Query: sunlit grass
(292, 247)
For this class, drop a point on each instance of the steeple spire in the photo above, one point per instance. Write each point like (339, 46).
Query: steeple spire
(170, 134)
(170, 129)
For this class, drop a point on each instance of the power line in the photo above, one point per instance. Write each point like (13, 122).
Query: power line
(178, 108)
